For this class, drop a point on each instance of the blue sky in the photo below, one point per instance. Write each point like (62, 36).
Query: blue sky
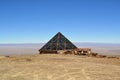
(35, 21)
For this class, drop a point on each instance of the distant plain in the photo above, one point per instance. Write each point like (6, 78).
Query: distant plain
(25, 49)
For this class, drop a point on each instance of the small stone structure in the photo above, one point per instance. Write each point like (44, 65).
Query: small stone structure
(78, 51)
(82, 51)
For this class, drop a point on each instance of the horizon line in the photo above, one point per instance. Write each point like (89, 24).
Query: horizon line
(72, 42)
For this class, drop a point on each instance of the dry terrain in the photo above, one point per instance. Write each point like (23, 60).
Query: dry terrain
(58, 67)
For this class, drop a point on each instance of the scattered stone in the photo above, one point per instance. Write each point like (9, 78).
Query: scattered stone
(112, 57)
(101, 56)
(7, 56)
(92, 54)
(28, 60)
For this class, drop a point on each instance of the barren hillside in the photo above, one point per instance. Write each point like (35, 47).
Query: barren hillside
(58, 67)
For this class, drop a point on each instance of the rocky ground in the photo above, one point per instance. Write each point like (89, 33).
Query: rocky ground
(58, 67)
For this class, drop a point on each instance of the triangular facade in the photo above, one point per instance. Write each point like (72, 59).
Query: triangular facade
(58, 42)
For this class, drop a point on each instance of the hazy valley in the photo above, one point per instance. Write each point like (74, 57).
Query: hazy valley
(24, 49)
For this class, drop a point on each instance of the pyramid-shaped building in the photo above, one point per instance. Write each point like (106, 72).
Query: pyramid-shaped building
(58, 42)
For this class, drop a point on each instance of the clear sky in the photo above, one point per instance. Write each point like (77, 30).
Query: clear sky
(36, 21)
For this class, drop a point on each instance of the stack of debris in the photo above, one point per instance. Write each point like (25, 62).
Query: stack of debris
(78, 51)
(82, 51)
